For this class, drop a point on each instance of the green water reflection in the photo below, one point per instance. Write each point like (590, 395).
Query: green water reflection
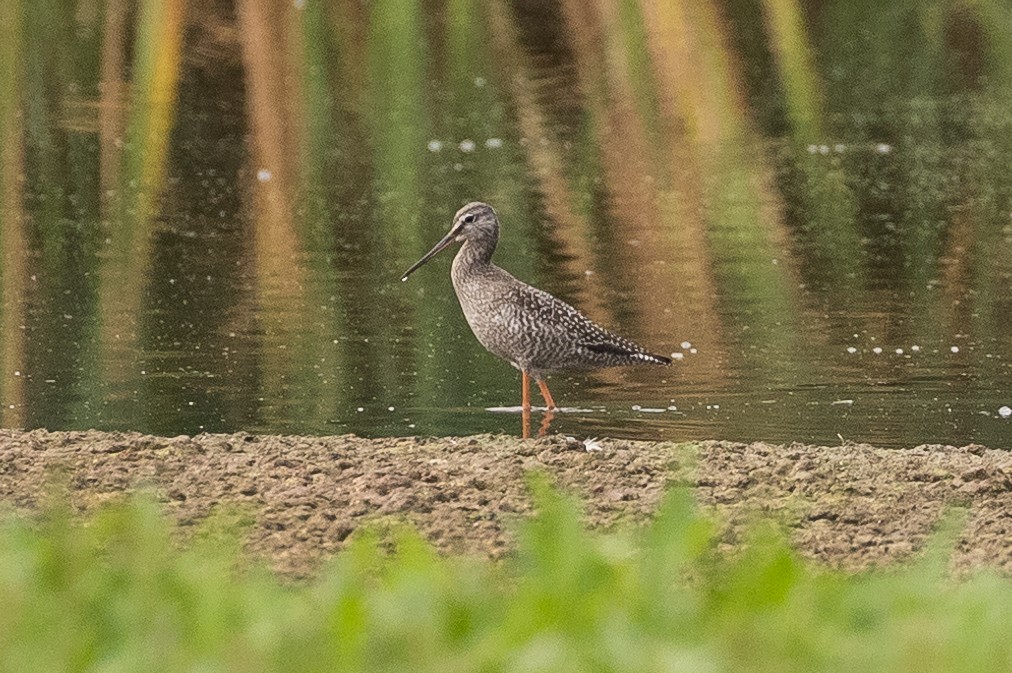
(206, 208)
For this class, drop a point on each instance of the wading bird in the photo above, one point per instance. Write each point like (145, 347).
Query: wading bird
(529, 328)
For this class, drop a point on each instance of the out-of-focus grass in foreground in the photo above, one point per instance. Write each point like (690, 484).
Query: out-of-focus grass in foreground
(114, 592)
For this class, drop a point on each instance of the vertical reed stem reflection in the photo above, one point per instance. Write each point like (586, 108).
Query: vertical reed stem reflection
(13, 242)
(269, 34)
(126, 268)
(113, 92)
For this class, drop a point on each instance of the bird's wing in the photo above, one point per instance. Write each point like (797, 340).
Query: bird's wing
(576, 326)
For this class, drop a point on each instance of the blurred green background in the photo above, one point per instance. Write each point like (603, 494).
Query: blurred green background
(117, 594)
(206, 206)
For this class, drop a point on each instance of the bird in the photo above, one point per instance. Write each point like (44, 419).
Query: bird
(534, 331)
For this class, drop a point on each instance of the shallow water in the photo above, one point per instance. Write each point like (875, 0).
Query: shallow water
(812, 211)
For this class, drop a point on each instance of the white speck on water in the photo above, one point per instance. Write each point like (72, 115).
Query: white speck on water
(435, 145)
(390, 408)
(1005, 411)
(411, 425)
(466, 145)
(191, 403)
(360, 409)
(17, 373)
(678, 356)
(899, 351)
(264, 175)
(686, 345)
(954, 349)
(851, 350)
(636, 407)
(693, 351)
(588, 272)
(493, 143)
(847, 402)
(877, 350)
(915, 349)
(672, 408)
(883, 148)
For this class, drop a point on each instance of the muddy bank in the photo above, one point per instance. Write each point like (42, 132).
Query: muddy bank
(848, 505)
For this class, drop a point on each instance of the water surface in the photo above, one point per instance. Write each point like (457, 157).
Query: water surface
(206, 209)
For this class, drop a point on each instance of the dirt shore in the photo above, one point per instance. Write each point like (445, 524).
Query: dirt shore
(851, 505)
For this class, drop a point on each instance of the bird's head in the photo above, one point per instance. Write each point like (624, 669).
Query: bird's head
(475, 222)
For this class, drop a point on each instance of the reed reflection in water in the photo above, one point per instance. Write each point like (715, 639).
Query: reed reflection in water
(206, 206)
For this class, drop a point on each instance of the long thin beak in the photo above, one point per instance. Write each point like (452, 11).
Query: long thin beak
(444, 242)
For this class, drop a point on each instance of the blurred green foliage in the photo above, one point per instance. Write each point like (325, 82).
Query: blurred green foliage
(115, 592)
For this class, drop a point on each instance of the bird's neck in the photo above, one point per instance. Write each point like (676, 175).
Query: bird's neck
(474, 255)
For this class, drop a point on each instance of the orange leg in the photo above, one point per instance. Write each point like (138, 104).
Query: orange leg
(525, 394)
(525, 405)
(545, 393)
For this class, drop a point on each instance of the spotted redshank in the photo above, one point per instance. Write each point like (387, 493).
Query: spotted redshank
(529, 328)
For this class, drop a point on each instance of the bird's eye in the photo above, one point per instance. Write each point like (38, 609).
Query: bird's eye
(469, 219)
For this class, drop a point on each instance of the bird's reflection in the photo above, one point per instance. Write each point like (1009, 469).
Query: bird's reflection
(525, 422)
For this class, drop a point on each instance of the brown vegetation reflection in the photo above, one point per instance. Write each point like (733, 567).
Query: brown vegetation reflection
(724, 173)
(139, 172)
(270, 35)
(12, 235)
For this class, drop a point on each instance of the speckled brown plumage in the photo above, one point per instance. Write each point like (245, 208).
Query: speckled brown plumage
(529, 328)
